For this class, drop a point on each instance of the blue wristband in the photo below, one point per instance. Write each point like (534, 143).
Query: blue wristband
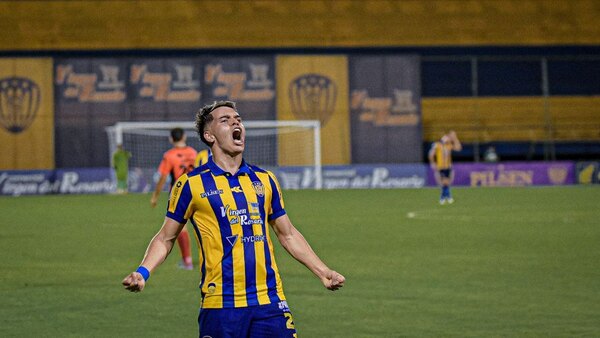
(144, 272)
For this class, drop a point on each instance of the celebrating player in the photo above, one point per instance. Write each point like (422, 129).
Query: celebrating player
(440, 160)
(230, 202)
(176, 162)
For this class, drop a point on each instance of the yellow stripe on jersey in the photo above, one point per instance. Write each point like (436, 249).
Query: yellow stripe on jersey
(230, 214)
(443, 155)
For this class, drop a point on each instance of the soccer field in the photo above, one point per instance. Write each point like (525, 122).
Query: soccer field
(511, 262)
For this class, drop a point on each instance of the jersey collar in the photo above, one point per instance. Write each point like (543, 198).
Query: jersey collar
(217, 171)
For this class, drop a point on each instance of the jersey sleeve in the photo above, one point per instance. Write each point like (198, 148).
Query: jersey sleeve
(180, 200)
(277, 206)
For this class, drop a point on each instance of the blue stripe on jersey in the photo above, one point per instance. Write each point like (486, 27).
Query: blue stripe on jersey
(278, 210)
(227, 263)
(249, 254)
(182, 204)
(201, 248)
(271, 281)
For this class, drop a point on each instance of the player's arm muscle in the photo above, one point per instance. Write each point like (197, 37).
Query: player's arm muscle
(162, 243)
(158, 250)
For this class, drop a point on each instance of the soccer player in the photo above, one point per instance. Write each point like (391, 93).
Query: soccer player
(440, 160)
(202, 158)
(121, 165)
(176, 162)
(231, 203)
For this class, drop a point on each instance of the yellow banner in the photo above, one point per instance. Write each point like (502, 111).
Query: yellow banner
(26, 114)
(314, 88)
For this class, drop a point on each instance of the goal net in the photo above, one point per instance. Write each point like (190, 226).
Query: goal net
(273, 145)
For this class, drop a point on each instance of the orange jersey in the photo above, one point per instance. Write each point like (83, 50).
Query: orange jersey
(177, 161)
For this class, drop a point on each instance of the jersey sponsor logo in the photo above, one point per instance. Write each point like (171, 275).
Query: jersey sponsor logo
(175, 193)
(211, 192)
(259, 188)
(232, 239)
(253, 238)
(241, 216)
(246, 239)
(19, 103)
(283, 305)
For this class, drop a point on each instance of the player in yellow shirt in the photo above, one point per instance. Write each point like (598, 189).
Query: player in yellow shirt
(202, 158)
(440, 160)
(231, 204)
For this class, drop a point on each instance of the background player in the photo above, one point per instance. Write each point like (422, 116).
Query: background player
(440, 160)
(176, 162)
(120, 162)
(202, 158)
(230, 203)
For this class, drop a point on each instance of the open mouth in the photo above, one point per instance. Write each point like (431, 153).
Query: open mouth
(237, 136)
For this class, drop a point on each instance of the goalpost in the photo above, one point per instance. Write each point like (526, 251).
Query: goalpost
(272, 145)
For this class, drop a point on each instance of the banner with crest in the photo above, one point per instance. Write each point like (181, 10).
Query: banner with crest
(315, 87)
(385, 105)
(26, 113)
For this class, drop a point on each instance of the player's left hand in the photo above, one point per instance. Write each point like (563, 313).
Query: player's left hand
(333, 280)
(134, 282)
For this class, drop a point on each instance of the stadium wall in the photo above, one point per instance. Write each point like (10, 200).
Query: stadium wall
(378, 176)
(378, 97)
(102, 25)
(506, 41)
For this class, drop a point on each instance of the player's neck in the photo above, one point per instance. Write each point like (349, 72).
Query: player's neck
(179, 144)
(228, 163)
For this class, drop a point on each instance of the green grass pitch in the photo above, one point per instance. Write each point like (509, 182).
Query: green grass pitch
(499, 262)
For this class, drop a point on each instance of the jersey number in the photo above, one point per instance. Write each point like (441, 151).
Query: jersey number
(290, 321)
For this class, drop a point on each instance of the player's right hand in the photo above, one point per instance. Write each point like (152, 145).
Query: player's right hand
(134, 282)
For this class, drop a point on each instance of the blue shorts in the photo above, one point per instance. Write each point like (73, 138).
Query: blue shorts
(445, 173)
(272, 320)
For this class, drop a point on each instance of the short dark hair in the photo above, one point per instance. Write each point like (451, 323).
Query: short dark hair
(177, 134)
(203, 117)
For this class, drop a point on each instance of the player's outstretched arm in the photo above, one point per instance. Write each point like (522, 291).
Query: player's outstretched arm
(159, 248)
(159, 185)
(293, 241)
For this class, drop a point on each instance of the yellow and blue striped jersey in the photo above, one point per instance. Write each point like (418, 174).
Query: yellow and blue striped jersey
(230, 215)
(202, 158)
(443, 155)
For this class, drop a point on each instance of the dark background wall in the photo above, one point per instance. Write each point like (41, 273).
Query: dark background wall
(521, 75)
